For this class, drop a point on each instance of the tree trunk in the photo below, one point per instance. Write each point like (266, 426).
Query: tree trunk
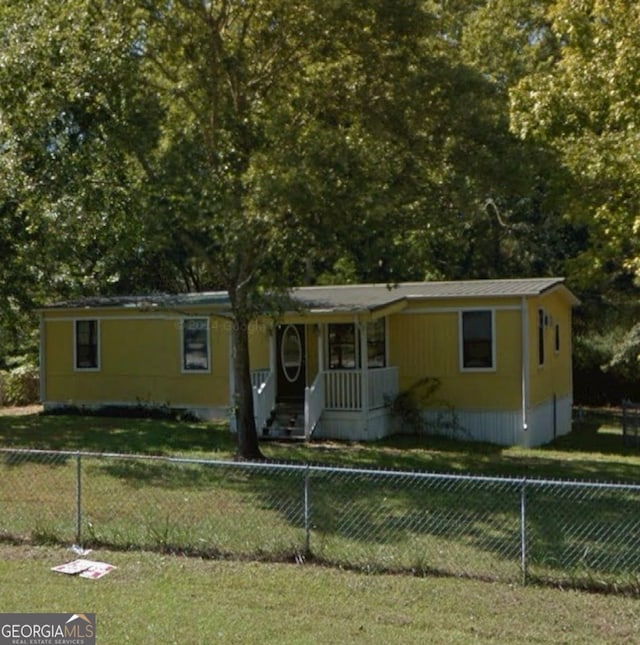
(248, 447)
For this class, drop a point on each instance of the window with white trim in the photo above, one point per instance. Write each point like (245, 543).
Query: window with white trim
(86, 345)
(342, 346)
(195, 345)
(541, 325)
(477, 339)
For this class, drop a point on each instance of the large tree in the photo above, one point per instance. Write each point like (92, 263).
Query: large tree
(237, 138)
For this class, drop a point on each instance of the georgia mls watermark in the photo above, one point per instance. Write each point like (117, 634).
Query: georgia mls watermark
(47, 629)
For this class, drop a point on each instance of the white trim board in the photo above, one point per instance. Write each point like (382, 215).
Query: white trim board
(455, 310)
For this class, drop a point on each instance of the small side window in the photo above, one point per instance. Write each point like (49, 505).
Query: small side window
(477, 336)
(87, 350)
(557, 338)
(195, 345)
(541, 325)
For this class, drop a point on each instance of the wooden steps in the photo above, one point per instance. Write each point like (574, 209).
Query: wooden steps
(286, 421)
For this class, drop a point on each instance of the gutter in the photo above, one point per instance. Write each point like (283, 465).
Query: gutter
(524, 315)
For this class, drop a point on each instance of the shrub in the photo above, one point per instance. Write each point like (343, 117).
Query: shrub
(20, 385)
(409, 406)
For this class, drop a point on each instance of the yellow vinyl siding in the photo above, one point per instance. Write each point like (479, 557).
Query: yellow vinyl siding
(427, 345)
(58, 357)
(423, 345)
(259, 341)
(140, 348)
(554, 377)
(140, 361)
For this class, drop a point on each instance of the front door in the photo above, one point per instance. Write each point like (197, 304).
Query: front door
(290, 349)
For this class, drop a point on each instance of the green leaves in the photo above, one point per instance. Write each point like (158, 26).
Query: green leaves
(585, 106)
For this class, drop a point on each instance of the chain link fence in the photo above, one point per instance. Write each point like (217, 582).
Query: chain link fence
(510, 529)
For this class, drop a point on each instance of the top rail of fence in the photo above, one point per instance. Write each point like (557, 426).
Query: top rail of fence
(324, 468)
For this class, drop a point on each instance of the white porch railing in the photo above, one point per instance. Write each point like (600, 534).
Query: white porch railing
(331, 390)
(313, 405)
(383, 384)
(343, 388)
(264, 395)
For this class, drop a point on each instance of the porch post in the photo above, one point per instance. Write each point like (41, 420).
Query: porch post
(273, 360)
(320, 340)
(364, 372)
(309, 405)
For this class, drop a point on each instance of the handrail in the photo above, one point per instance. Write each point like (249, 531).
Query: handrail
(313, 404)
(264, 397)
(259, 377)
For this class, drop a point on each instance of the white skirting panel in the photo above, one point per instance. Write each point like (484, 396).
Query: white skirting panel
(501, 427)
(353, 426)
(550, 420)
(545, 422)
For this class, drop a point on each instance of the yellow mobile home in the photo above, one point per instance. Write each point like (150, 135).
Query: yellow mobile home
(500, 351)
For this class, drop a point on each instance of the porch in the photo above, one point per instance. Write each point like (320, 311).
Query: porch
(347, 403)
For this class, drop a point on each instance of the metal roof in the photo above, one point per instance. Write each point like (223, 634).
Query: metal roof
(372, 296)
(357, 297)
(149, 301)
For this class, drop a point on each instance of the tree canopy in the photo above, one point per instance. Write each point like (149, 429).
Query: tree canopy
(254, 145)
(583, 103)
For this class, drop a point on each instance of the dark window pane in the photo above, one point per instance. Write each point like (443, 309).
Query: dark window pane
(86, 344)
(477, 339)
(342, 346)
(195, 339)
(541, 321)
(376, 342)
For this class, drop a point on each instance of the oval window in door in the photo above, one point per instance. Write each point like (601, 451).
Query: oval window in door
(291, 353)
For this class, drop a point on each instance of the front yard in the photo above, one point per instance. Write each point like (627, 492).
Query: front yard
(168, 599)
(592, 451)
(420, 505)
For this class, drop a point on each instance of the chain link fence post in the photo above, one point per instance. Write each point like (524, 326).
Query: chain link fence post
(78, 499)
(307, 514)
(523, 530)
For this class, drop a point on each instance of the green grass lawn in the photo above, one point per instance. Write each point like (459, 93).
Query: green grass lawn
(382, 523)
(115, 434)
(592, 451)
(167, 599)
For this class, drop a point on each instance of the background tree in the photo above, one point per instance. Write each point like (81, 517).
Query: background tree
(582, 102)
(251, 146)
(232, 138)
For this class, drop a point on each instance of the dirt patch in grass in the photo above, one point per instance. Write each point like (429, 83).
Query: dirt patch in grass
(19, 411)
